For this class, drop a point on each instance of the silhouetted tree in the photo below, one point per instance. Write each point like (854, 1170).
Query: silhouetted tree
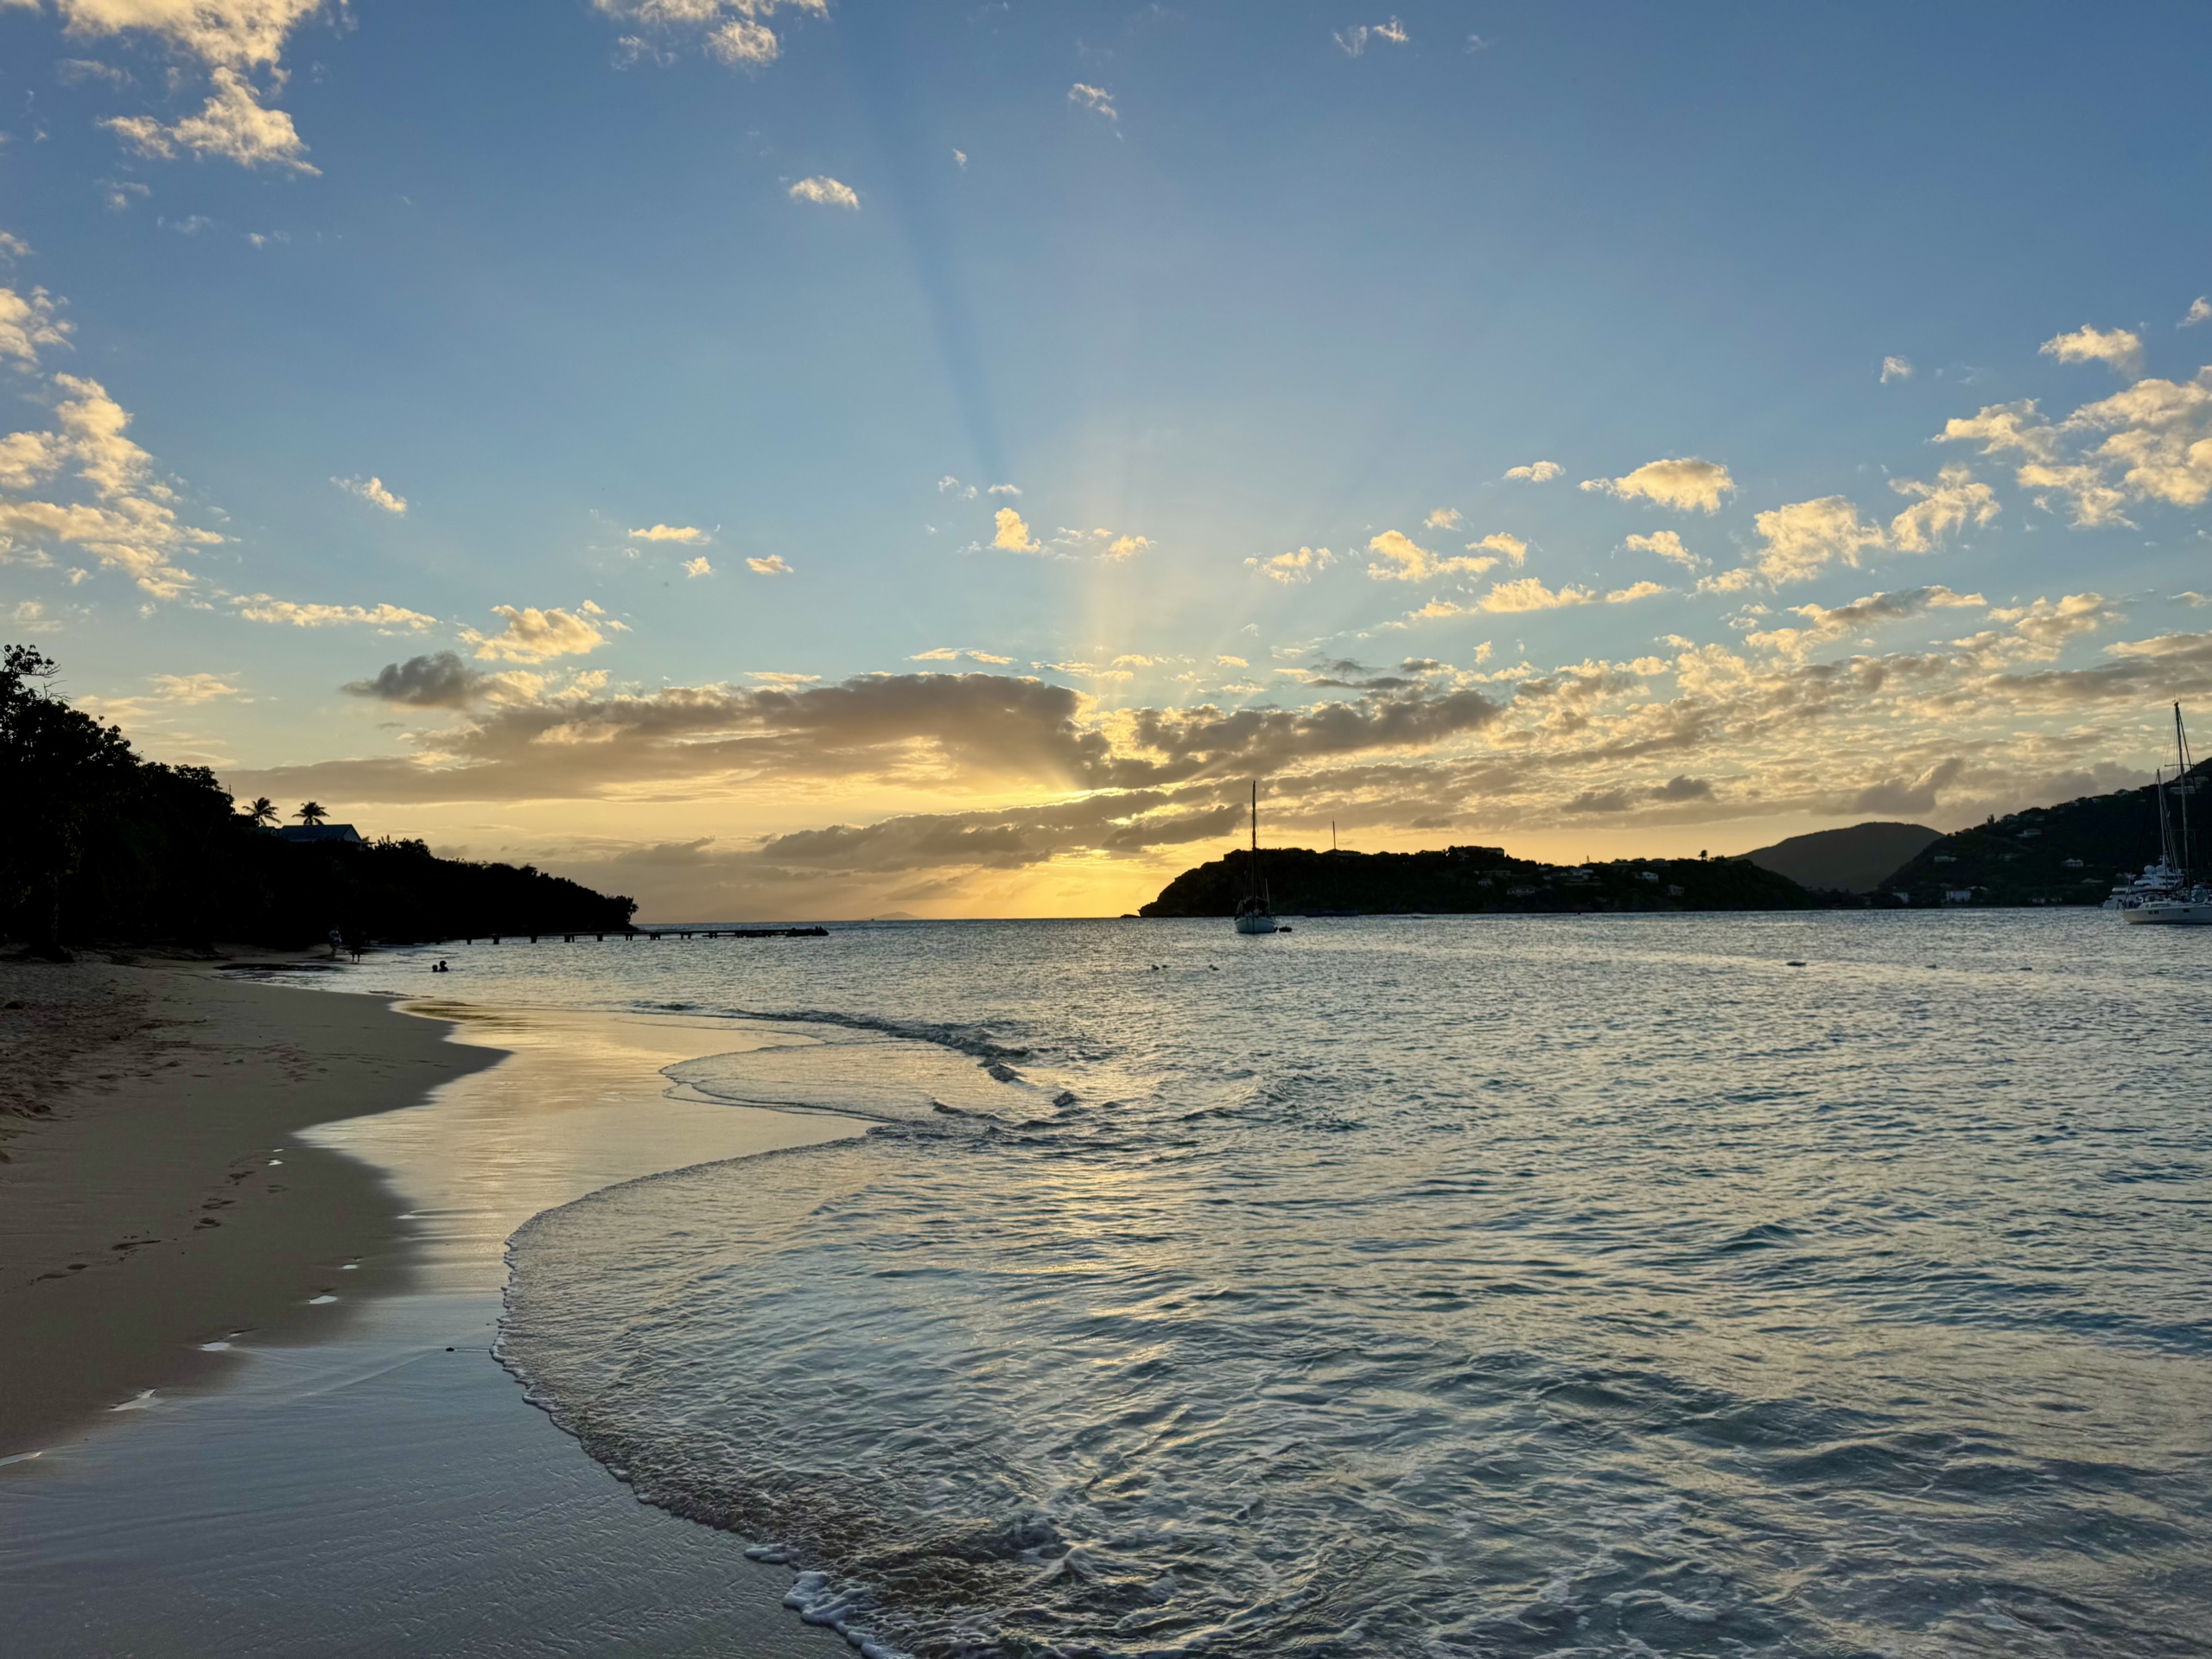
(311, 812)
(264, 811)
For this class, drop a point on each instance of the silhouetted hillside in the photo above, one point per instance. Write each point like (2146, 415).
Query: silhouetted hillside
(97, 843)
(1856, 860)
(2072, 854)
(1465, 880)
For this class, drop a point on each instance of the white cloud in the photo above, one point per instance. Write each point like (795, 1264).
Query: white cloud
(1667, 545)
(734, 31)
(232, 125)
(1353, 41)
(1232, 662)
(1896, 368)
(2200, 310)
(134, 528)
(950, 485)
(233, 34)
(1537, 472)
(1954, 501)
(1530, 593)
(27, 323)
(191, 688)
(687, 534)
(1683, 484)
(1397, 557)
(392, 618)
(2038, 631)
(536, 636)
(1999, 428)
(698, 567)
(371, 490)
(1094, 98)
(1634, 591)
(2161, 438)
(2119, 349)
(1511, 546)
(13, 247)
(773, 565)
(1296, 567)
(1802, 537)
(828, 192)
(1013, 535)
(960, 159)
(953, 653)
(1126, 547)
(1004, 489)
(1442, 518)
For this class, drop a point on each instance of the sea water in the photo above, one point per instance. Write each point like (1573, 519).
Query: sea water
(1830, 1284)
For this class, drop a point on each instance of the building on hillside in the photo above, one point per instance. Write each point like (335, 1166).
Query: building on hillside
(344, 834)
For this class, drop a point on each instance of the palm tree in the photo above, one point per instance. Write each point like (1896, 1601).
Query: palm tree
(264, 811)
(311, 812)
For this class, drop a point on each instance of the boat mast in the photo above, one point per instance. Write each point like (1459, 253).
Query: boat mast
(2182, 785)
(1255, 843)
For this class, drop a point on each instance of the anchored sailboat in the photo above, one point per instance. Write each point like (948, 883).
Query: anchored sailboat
(2168, 892)
(1254, 913)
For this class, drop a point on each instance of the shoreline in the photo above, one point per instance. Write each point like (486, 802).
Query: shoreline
(363, 1475)
(158, 1195)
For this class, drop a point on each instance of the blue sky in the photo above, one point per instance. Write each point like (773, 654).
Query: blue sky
(1197, 288)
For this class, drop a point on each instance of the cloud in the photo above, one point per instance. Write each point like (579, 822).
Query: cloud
(2039, 632)
(534, 636)
(129, 525)
(1896, 368)
(234, 33)
(1684, 484)
(734, 32)
(2119, 349)
(1667, 545)
(1511, 546)
(27, 323)
(440, 680)
(825, 191)
(2200, 310)
(1003, 489)
(953, 653)
(1126, 547)
(1353, 41)
(1633, 592)
(371, 490)
(1442, 518)
(686, 534)
(262, 607)
(1013, 535)
(191, 688)
(1804, 538)
(1530, 593)
(13, 247)
(1954, 501)
(698, 567)
(1999, 428)
(773, 565)
(1824, 624)
(2161, 438)
(950, 485)
(1397, 557)
(1674, 791)
(1094, 98)
(960, 159)
(233, 125)
(1537, 472)
(1912, 799)
(1294, 566)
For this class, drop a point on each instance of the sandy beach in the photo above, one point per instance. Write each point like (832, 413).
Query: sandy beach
(284, 1431)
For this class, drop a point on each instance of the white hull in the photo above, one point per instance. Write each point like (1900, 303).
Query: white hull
(2168, 912)
(1255, 924)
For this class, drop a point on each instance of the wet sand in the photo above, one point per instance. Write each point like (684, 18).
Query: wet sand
(365, 1478)
(156, 1195)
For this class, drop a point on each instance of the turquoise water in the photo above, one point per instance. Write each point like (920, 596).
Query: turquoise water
(1426, 1286)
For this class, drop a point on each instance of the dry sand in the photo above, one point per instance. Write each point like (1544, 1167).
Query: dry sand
(156, 1197)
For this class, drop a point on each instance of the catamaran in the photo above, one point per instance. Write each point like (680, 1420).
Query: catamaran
(2166, 892)
(1254, 914)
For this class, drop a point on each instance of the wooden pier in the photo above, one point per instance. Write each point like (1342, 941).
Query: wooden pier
(657, 933)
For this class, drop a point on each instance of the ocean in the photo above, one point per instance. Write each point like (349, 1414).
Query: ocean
(1809, 1284)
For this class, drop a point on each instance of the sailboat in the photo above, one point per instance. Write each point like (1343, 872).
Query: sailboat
(1254, 913)
(2165, 894)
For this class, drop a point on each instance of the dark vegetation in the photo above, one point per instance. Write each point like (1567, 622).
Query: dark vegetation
(97, 843)
(1467, 880)
(1854, 860)
(2072, 854)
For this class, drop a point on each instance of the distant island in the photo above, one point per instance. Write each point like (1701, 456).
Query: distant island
(101, 844)
(1471, 880)
(2072, 854)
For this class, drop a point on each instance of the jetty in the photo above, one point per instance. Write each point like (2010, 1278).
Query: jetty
(633, 934)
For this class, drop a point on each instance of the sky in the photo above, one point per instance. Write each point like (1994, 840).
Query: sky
(795, 458)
